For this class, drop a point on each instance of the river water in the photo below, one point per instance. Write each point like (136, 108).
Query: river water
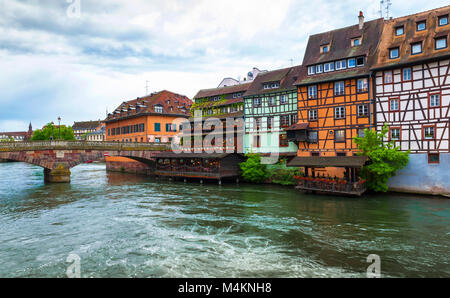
(134, 226)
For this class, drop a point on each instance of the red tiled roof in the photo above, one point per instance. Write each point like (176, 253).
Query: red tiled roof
(390, 40)
(222, 91)
(173, 105)
(286, 77)
(298, 126)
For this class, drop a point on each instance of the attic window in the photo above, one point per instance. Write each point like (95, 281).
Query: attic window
(158, 109)
(443, 20)
(356, 41)
(272, 85)
(421, 26)
(325, 48)
(360, 61)
(400, 30)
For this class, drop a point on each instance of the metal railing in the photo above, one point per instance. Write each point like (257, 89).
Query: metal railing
(81, 145)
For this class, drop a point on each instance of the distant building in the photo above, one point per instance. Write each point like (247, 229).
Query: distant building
(226, 82)
(19, 136)
(80, 129)
(97, 136)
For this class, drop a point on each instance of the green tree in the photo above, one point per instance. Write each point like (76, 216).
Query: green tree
(253, 170)
(51, 130)
(384, 158)
(8, 140)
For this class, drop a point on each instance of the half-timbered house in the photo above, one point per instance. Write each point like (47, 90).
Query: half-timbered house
(335, 97)
(412, 75)
(270, 106)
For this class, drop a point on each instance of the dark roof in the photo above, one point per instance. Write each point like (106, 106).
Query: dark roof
(222, 91)
(341, 48)
(86, 125)
(194, 155)
(390, 40)
(173, 105)
(286, 77)
(298, 126)
(14, 134)
(329, 161)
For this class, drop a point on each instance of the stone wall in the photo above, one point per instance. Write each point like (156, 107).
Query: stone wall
(126, 165)
(421, 177)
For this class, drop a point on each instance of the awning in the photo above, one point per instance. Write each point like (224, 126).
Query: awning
(329, 161)
(298, 126)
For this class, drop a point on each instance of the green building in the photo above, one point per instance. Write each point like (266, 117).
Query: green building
(270, 106)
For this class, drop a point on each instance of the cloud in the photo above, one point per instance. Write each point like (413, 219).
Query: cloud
(53, 65)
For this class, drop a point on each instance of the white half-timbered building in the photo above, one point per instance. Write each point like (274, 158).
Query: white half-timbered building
(412, 85)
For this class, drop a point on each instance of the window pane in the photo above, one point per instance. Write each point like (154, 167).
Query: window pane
(441, 43)
(351, 62)
(416, 48)
(407, 74)
(393, 53)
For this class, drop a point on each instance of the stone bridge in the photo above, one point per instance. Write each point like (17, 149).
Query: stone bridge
(58, 157)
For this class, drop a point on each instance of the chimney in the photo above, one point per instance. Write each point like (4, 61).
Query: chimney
(361, 20)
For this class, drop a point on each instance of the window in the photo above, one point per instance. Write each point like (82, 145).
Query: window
(400, 30)
(388, 77)
(237, 95)
(362, 86)
(294, 118)
(363, 110)
(171, 127)
(311, 70)
(421, 25)
(351, 63)
(315, 153)
(283, 99)
(284, 120)
(270, 121)
(360, 61)
(433, 158)
(339, 88)
(341, 154)
(407, 74)
(313, 136)
(312, 92)
(157, 140)
(158, 109)
(283, 140)
(361, 133)
(435, 100)
(271, 101)
(394, 133)
(312, 115)
(319, 68)
(339, 112)
(356, 42)
(256, 102)
(440, 43)
(394, 104)
(341, 64)
(393, 53)
(443, 20)
(416, 48)
(429, 132)
(324, 48)
(328, 67)
(339, 135)
(157, 126)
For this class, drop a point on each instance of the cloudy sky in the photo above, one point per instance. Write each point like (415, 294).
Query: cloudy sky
(56, 60)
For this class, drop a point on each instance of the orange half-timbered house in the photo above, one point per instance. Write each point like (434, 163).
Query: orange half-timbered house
(335, 100)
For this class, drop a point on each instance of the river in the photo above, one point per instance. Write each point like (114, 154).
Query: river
(123, 225)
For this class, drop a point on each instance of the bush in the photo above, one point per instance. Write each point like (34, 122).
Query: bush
(284, 176)
(384, 158)
(253, 170)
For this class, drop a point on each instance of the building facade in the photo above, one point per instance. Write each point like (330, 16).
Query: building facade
(19, 136)
(270, 106)
(412, 76)
(216, 122)
(83, 128)
(156, 118)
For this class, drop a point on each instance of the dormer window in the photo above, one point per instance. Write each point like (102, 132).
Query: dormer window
(328, 67)
(400, 30)
(416, 48)
(271, 85)
(319, 68)
(356, 41)
(325, 48)
(421, 26)
(158, 109)
(311, 70)
(443, 20)
(360, 61)
(341, 64)
(394, 53)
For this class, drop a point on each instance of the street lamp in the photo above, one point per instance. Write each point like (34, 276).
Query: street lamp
(59, 124)
(52, 129)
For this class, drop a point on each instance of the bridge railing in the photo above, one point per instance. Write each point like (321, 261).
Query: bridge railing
(81, 145)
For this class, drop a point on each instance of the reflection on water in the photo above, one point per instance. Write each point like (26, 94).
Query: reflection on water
(125, 225)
